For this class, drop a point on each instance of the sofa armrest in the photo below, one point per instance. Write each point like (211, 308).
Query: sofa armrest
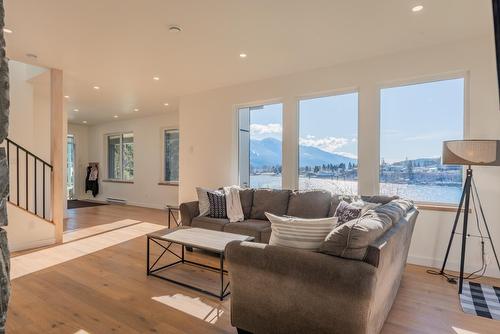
(189, 210)
(278, 290)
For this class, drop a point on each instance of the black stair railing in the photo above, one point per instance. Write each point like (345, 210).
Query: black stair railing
(30, 190)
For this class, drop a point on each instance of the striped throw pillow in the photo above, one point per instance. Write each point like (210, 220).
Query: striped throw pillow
(217, 204)
(307, 234)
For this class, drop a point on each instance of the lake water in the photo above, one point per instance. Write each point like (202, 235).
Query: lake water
(420, 193)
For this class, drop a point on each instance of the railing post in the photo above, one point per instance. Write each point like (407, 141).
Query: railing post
(35, 183)
(27, 181)
(17, 175)
(43, 189)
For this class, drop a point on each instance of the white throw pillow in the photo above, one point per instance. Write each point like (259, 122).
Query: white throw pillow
(301, 233)
(203, 202)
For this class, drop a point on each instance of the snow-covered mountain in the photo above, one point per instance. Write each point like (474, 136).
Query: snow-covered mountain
(267, 152)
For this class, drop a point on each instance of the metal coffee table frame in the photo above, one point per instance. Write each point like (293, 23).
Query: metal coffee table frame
(151, 271)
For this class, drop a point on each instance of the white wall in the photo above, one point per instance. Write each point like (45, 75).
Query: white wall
(29, 127)
(29, 120)
(208, 136)
(145, 190)
(27, 231)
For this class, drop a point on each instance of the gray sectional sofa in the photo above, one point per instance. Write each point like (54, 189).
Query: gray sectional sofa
(310, 204)
(285, 290)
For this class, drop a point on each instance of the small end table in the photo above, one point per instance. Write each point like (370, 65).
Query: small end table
(171, 210)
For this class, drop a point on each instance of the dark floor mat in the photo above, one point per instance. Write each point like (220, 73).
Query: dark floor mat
(75, 204)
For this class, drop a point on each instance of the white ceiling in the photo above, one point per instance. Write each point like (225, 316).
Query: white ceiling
(120, 45)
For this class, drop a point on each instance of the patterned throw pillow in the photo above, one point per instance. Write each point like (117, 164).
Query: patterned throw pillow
(217, 204)
(346, 212)
(349, 211)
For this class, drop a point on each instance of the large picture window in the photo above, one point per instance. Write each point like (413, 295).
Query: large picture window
(328, 150)
(121, 156)
(171, 156)
(260, 146)
(415, 120)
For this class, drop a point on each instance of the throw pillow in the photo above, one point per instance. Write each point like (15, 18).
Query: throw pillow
(346, 212)
(307, 234)
(217, 204)
(203, 203)
(351, 240)
(349, 211)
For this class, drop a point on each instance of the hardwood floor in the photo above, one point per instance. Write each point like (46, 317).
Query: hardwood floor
(92, 216)
(107, 291)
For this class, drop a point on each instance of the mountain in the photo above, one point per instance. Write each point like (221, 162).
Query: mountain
(267, 152)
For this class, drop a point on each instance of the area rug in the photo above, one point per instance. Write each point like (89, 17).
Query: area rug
(75, 204)
(481, 299)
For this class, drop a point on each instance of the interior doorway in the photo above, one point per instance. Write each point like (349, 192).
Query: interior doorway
(70, 182)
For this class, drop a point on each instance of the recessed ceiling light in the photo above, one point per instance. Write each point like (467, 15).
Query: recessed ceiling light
(243, 55)
(66, 96)
(7, 31)
(76, 110)
(165, 104)
(84, 122)
(417, 8)
(115, 116)
(136, 109)
(174, 28)
(156, 78)
(97, 87)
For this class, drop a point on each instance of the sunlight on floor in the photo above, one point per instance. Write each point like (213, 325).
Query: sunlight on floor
(192, 306)
(462, 331)
(93, 230)
(48, 257)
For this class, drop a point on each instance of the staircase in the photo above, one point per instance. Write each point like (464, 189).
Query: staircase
(30, 181)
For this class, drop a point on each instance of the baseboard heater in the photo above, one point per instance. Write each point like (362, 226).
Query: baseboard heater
(116, 200)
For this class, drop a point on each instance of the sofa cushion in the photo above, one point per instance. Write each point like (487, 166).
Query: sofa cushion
(216, 224)
(396, 209)
(246, 199)
(251, 227)
(382, 199)
(269, 200)
(309, 204)
(351, 240)
(301, 233)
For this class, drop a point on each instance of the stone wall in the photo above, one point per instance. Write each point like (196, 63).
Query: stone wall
(4, 176)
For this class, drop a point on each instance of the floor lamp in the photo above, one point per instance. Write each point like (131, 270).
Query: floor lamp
(469, 153)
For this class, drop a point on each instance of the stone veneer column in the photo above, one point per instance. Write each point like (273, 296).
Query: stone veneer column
(4, 176)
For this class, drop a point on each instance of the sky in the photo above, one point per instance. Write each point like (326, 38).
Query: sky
(415, 119)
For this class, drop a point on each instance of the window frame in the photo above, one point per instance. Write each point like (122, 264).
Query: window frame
(236, 126)
(106, 144)
(465, 75)
(163, 132)
(318, 95)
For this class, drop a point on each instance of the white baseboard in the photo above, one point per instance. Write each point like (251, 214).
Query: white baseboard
(491, 271)
(31, 244)
(147, 205)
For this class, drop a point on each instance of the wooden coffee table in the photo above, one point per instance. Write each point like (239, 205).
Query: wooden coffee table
(208, 240)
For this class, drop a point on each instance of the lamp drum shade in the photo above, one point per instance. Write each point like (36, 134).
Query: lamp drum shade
(471, 152)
